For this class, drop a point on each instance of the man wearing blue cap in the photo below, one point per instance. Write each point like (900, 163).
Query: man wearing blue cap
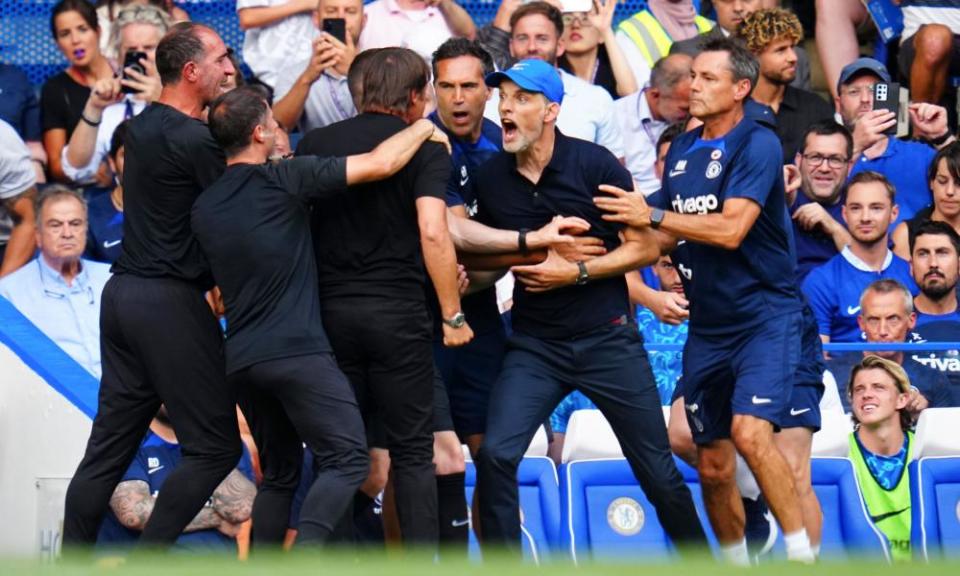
(904, 163)
(579, 336)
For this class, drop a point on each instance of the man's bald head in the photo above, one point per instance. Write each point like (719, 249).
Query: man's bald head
(670, 71)
(669, 93)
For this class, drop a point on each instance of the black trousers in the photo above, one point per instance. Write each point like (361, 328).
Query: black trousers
(308, 398)
(385, 349)
(609, 366)
(159, 344)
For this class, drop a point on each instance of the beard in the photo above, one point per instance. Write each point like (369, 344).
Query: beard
(938, 291)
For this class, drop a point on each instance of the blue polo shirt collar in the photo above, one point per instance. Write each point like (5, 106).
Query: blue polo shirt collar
(54, 283)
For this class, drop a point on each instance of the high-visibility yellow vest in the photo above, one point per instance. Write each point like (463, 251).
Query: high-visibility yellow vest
(651, 38)
(889, 509)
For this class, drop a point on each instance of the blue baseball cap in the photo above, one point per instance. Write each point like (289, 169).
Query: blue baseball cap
(532, 75)
(859, 66)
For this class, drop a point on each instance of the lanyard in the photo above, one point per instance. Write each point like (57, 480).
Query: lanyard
(332, 87)
(646, 122)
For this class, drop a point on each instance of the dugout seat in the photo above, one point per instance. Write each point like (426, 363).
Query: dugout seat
(606, 517)
(937, 433)
(539, 507)
(589, 436)
(935, 507)
(833, 439)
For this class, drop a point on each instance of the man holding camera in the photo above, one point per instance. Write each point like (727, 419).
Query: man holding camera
(114, 100)
(903, 162)
(313, 93)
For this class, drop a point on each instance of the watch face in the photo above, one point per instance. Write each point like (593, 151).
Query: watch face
(457, 321)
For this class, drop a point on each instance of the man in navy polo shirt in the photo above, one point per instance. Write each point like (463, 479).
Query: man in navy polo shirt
(817, 207)
(579, 336)
(725, 196)
(834, 288)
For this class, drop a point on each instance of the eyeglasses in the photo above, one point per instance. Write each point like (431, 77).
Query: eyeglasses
(857, 91)
(834, 162)
(570, 17)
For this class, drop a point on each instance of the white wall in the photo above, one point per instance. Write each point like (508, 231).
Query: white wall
(42, 438)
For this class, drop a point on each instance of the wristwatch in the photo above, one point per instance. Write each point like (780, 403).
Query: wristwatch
(656, 217)
(456, 321)
(583, 276)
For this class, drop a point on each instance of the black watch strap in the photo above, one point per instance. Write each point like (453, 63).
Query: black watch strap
(522, 242)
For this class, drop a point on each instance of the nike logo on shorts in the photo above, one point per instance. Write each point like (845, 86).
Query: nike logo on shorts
(756, 400)
(459, 523)
(795, 412)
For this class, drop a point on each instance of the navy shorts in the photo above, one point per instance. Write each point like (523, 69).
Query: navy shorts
(803, 410)
(469, 373)
(749, 373)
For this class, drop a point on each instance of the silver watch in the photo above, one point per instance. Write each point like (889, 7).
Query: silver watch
(456, 321)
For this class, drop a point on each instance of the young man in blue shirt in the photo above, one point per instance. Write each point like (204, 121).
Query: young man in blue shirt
(725, 196)
(834, 288)
(578, 335)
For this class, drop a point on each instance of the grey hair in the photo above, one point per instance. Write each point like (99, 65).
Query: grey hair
(57, 192)
(743, 64)
(888, 286)
(138, 14)
(670, 71)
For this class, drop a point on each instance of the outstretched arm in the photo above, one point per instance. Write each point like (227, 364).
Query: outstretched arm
(393, 153)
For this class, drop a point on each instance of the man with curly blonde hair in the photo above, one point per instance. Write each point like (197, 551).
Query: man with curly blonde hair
(772, 35)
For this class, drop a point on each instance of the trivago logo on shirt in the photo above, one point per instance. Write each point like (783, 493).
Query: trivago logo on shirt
(696, 204)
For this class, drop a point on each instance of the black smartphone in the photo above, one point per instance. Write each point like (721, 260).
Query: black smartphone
(132, 60)
(336, 27)
(886, 96)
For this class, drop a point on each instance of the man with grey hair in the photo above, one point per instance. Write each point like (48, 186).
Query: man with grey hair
(58, 291)
(644, 115)
(887, 315)
(137, 29)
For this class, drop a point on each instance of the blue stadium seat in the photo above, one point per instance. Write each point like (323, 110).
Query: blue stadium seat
(935, 499)
(605, 515)
(539, 507)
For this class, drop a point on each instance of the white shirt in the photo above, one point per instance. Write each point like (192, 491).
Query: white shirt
(16, 174)
(267, 49)
(423, 31)
(633, 56)
(111, 117)
(328, 101)
(587, 113)
(947, 14)
(640, 134)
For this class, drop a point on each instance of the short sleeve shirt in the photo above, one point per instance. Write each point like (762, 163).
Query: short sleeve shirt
(253, 225)
(169, 158)
(730, 290)
(367, 241)
(939, 328)
(268, 48)
(16, 174)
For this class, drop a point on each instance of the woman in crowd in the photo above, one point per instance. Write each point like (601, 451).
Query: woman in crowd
(592, 53)
(943, 176)
(75, 30)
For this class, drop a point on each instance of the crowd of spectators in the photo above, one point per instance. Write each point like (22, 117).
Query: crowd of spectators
(874, 196)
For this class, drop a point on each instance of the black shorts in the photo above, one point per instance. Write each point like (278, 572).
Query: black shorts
(469, 373)
(908, 53)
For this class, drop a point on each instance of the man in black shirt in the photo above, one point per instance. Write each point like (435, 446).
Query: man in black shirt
(159, 341)
(577, 337)
(253, 225)
(772, 35)
(368, 247)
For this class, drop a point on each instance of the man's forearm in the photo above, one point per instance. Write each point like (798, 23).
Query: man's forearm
(233, 498)
(441, 261)
(724, 230)
(83, 141)
(637, 250)
(471, 236)
(22, 242)
(458, 19)
(390, 155)
(492, 262)
(288, 110)
(840, 235)
(206, 519)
